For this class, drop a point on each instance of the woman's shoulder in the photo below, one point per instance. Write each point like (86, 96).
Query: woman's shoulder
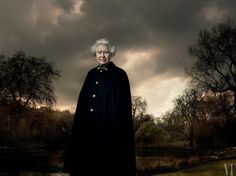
(92, 70)
(121, 71)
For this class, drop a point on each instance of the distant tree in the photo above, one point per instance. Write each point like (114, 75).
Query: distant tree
(174, 125)
(138, 107)
(187, 107)
(215, 66)
(215, 128)
(217, 107)
(26, 81)
(147, 118)
(148, 133)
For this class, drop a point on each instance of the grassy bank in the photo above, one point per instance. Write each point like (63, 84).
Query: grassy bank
(214, 168)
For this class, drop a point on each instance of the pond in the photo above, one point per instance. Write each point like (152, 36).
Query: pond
(31, 159)
(48, 161)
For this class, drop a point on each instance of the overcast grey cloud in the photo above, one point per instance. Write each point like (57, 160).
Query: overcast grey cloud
(151, 36)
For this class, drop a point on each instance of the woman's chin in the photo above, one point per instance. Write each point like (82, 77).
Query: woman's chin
(103, 62)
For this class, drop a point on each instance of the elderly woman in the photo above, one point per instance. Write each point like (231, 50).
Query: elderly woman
(102, 140)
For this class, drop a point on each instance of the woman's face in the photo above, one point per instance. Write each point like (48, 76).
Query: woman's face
(103, 55)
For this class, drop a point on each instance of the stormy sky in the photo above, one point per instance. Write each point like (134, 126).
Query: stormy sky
(151, 36)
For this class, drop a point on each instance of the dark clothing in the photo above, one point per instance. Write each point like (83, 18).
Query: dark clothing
(102, 135)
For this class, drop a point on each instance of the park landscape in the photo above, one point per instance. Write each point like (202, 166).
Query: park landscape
(195, 138)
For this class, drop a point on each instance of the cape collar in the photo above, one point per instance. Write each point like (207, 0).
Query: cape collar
(106, 67)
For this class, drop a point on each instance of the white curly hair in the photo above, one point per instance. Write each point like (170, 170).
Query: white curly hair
(103, 41)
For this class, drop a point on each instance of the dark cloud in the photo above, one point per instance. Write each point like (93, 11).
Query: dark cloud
(67, 5)
(63, 31)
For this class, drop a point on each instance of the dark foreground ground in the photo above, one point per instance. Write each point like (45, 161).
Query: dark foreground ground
(36, 174)
(41, 160)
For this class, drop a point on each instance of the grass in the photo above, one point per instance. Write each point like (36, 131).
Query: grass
(215, 168)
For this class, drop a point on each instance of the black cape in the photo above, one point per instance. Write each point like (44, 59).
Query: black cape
(102, 141)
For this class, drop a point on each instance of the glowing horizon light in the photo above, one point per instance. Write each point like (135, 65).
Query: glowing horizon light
(71, 109)
(160, 93)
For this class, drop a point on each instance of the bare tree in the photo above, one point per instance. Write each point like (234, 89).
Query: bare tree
(174, 125)
(149, 133)
(138, 107)
(187, 107)
(26, 81)
(217, 108)
(215, 65)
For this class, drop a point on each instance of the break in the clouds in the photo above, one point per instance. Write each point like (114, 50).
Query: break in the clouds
(151, 36)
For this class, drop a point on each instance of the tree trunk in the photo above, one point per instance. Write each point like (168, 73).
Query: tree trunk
(191, 136)
(234, 101)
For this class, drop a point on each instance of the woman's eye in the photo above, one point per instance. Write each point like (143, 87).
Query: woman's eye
(104, 52)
